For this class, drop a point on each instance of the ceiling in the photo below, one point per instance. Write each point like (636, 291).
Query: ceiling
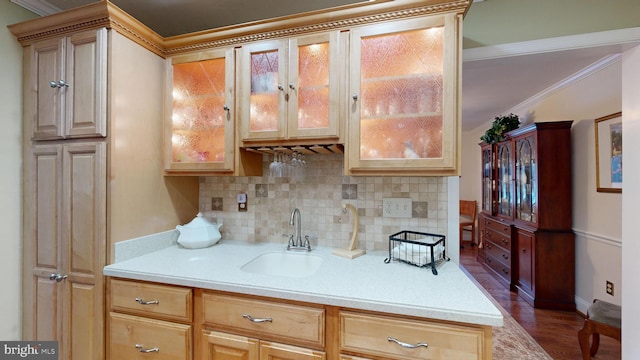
(494, 80)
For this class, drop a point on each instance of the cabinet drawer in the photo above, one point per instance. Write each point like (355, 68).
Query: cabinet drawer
(498, 252)
(502, 269)
(369, 334)
(131, 335)
(163, 301)
(498, 227)
(266, 319)
(498, 238)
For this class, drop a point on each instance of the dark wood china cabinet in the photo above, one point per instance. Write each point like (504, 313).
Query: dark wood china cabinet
(525, 225)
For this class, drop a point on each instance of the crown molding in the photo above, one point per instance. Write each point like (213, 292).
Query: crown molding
(40, 7)
(571, 42)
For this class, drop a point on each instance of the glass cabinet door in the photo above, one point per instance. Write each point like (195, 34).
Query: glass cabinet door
(504, 178)
(313, 86)
(263, 90)
(290, 88)
(488, 184)
(402, 97)
(525, 180)
(200, 132)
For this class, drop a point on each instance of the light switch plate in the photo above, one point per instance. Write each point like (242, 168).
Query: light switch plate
(396, 207)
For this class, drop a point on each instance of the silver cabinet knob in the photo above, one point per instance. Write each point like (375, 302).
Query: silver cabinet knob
(225, 107)
(58, 84)
(280, 87)
(354, 97)
(57, 277)
(291, 86)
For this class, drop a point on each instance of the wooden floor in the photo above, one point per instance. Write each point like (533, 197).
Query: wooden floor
(555, 331)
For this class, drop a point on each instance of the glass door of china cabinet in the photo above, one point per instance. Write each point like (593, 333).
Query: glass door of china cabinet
(488, 181)
(403, 91)
(526, 197)
(504, 179)
(199, 135)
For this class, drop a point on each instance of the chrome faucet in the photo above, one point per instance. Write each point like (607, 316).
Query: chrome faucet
(297, 244)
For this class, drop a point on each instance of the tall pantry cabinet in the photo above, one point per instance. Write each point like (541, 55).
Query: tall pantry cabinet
(92, 173)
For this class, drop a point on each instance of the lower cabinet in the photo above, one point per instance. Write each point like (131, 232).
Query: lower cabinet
(150, 319)
(406, 339)
(224, 346)
(497, 248)
(158, 321)
(136, 337)
(249, 325)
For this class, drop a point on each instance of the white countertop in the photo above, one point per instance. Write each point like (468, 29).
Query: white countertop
(363, 283)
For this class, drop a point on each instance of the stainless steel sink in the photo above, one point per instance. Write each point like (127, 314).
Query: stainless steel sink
(287, 264)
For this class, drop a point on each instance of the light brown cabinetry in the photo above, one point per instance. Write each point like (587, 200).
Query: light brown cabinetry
(150, 319)
(404, 339)
(161, 319)
(89, 180)
(404, 97)
(526, 211)
(68, 86)
(200, 126)
(289, 89)
(261, 329)
(65, 205)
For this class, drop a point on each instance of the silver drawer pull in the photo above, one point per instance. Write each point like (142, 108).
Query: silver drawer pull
(406, 345)
(143, 350)
(256, 320)
(142, 302)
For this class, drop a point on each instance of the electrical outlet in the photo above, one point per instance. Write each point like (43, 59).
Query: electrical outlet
(609, 288)
(397, 207)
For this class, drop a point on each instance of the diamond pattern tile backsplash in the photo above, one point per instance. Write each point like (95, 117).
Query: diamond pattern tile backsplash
(320, 197)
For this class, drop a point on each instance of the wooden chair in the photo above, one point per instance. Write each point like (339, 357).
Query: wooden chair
(468, 212)
(602, 318)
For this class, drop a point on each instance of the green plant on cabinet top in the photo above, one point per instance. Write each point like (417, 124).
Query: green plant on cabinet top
(501, 125)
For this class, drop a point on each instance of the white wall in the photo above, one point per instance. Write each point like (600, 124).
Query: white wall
(596, 216)
(10, 176)
(630, 230)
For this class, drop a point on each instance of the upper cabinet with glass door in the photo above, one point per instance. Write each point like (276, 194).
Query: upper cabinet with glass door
(200, 131)
(404, 98)
(289, 89)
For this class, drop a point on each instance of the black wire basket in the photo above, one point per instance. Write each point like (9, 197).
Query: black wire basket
(417, 249)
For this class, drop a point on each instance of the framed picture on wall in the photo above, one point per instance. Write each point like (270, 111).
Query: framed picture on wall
(609, 153)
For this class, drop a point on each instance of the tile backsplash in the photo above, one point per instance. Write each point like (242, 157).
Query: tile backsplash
(320, 197)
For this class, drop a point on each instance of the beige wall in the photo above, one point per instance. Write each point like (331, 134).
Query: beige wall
(495, 22)
(10, 177)
(596, 216)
